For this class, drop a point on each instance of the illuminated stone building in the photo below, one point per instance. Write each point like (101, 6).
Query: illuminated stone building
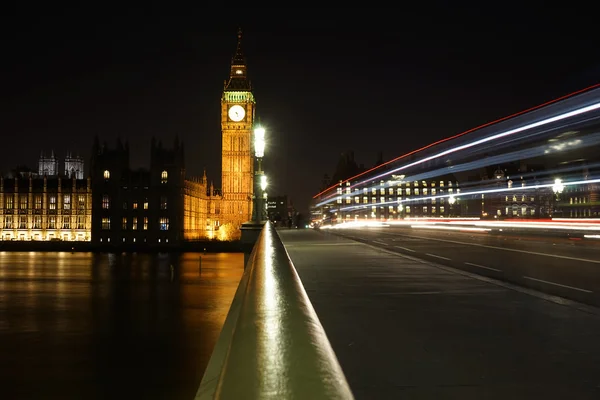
(48, 165)
(510, 192)
(390, 197)
(74, 166)
(582, 200)
(396, 198)
(237, 119)
(45, 208)
(150, 207)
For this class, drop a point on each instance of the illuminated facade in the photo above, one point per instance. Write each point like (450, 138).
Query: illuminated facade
(45, 208)
(74, 166)
(48, 165)
(149, 207)
(237, 119)
(396, 198)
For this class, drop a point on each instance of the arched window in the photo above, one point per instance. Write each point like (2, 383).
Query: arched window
(163, 177)
(106, 174)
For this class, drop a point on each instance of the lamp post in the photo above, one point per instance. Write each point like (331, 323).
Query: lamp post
(251, 229)
(451, 201)
(260, 179)
(557, 188)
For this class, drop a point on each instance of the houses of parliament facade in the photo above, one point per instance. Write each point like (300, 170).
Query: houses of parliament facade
(118, 205)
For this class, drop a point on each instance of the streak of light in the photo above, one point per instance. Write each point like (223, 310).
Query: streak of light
(589, 88)
(356, 224)
(455, 149)
(451, 228)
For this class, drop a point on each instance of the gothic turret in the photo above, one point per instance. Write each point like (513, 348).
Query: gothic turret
(238, 78)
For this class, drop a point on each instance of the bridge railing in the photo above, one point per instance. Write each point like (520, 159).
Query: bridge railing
(272, 345)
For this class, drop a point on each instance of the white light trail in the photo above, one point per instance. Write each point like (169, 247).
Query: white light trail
(451, 228)
(546, 121)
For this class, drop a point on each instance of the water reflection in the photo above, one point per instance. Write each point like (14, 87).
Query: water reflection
(87, 325)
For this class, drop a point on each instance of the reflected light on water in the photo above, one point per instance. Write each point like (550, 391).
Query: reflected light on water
(90, 323)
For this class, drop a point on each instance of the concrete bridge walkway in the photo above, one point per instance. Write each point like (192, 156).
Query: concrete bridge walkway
(405, 328)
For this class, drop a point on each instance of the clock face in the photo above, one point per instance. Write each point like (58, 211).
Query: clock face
(237, 113)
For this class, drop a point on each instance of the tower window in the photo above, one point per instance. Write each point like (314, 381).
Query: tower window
(106, 174)
(163, 177)
(67, 201)
(239, 72)
(52, 202)
(105, 202)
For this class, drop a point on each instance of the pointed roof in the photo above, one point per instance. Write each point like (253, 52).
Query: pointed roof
(238, 58)
(238, 80)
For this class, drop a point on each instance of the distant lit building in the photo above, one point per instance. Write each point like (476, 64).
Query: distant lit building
(150, 206)
(45, 208)
(579, 201)
(278, 209)
(510, 191)
(48, 165)
(74, 166)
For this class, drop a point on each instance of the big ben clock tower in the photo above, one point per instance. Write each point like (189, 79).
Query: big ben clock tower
(237, 117)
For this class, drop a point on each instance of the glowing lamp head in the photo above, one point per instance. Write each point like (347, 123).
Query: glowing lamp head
(263, 182)
(558, 186)
(259, 142)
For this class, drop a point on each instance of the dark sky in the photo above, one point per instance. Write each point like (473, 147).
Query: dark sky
(329, 81)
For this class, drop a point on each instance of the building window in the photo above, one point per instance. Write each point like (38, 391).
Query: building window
(105, 202)
(37, 222)
(80, 222)
(23, 202)
(9, 202)
(134, 226)
(66, 222)
(163, 202)
(124, 223)
(105, 223)
(81, 201)
(124, 205)
(52, 202)
(38, 201)
(23, 222)
(145, 223)
(146, 204)
(52, 222)
(163, 177)
(163, 224)
(106, 174)
(135, 205)
(8, 221)
(67, 201)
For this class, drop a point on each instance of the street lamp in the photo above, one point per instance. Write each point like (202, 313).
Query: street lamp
(557, 188)
(451, 201)
(263, 182)
(260, 179)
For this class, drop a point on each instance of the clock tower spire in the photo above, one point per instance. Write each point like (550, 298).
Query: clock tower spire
(238, 79)
(237, 119)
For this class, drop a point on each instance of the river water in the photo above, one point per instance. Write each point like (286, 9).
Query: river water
(107, 326)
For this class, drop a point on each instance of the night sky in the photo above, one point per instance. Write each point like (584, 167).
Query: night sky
(326, 82)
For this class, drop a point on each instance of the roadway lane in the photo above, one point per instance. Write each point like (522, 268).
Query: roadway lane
(405, 328)
(559, 266)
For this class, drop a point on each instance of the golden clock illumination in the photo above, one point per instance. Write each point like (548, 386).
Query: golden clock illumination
(236, 113)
